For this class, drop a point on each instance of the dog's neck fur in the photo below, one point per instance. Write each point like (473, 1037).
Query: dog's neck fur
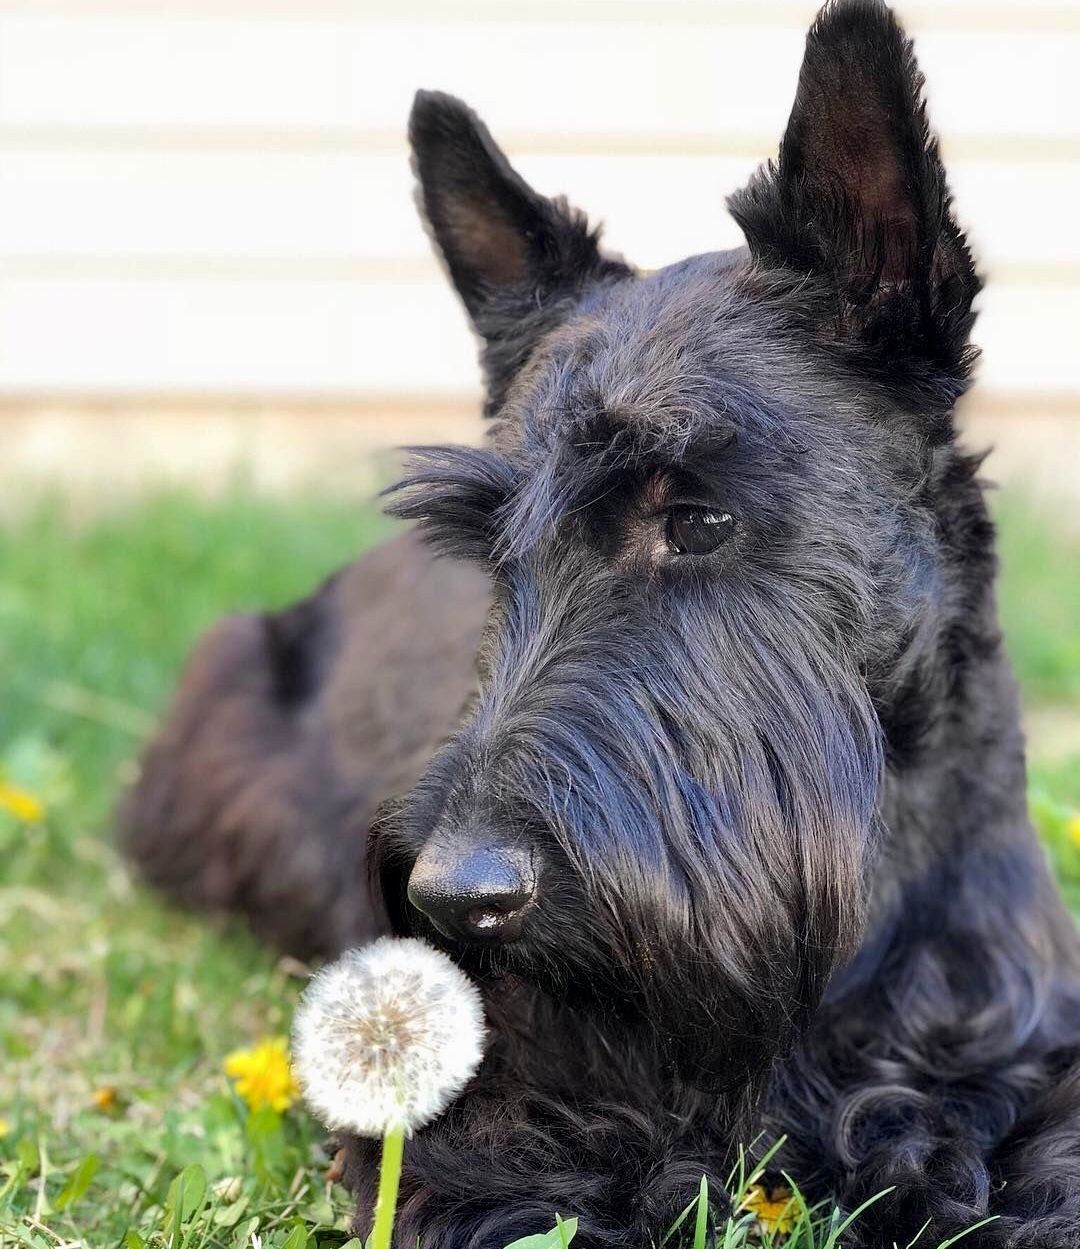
(963, 781)
(955, 826)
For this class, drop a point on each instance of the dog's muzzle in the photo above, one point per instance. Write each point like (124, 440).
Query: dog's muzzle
(481, 891)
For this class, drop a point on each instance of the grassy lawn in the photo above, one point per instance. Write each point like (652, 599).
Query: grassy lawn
(118, 1125)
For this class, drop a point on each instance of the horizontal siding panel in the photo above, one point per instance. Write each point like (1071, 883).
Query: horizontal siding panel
(218, 199)
(290, 336)
(209, 204)
(917, 13)
(334, 73)
(212, 207)
(315, 337)
(1028, 337)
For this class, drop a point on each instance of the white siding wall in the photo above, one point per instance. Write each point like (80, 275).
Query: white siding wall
(213, 199)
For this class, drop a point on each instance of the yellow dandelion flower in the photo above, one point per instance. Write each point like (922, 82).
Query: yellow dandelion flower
(774, 1208)
(1073, 828)
(262, 1075)
(5, 1128)
(106, 1100)
(22, 804)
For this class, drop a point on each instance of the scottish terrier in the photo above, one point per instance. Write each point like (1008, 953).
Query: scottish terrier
(729, 819)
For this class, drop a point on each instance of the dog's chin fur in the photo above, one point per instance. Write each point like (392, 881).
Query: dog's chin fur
(787, 885)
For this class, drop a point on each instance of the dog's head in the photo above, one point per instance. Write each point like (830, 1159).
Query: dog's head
(708, 510)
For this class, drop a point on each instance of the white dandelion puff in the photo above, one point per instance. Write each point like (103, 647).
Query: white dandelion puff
(387, 1037)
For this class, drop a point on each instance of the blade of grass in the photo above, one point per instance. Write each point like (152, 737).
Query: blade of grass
(837, 1232)
(966, 1232)
(679, 1222)
(702, 1222)
(911, 1242)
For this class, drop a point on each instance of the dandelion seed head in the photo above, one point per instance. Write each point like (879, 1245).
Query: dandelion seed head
(388, 1035)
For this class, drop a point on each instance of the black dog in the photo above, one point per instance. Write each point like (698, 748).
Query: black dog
(734, 829)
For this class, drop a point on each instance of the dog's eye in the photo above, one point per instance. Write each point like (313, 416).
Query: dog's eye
(697, 531)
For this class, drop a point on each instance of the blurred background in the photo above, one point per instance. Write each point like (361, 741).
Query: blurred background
(209, 257)
(219, 315)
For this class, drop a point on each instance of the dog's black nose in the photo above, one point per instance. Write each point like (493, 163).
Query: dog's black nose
(477, 893)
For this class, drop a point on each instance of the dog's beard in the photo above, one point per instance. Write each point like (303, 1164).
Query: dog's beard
(733, 831)
(704, 796)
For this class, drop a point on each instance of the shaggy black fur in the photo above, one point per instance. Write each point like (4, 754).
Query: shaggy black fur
(772, 793)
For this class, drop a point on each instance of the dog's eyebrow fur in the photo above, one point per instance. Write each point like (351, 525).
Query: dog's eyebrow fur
(476, 503)
(594, 457)
(457, 494)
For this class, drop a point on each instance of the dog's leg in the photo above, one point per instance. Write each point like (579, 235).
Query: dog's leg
(1037, 1170)
(567, 1116)
(502, 1168)
(946, 1089)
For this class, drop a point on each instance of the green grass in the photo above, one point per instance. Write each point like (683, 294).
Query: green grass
(1040, 600)
(102, 988)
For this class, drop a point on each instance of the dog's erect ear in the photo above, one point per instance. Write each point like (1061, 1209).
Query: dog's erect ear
(511, 252)
(858, 195)
(496, 234)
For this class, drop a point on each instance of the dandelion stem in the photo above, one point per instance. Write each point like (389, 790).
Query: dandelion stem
(389, 1174)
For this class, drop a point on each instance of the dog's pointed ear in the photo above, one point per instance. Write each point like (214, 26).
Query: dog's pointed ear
(510, 251)
(858, 196)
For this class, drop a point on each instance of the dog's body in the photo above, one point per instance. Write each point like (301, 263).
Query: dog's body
(288, 731)
(731, 822)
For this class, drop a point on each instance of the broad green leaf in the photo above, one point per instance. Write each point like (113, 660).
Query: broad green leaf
(561, 1234)
(230, 1215)
(567, 1230)
(185, 1198)
(29, 1156)
(242, 1235)
(80, 1181)
(296, 1239)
